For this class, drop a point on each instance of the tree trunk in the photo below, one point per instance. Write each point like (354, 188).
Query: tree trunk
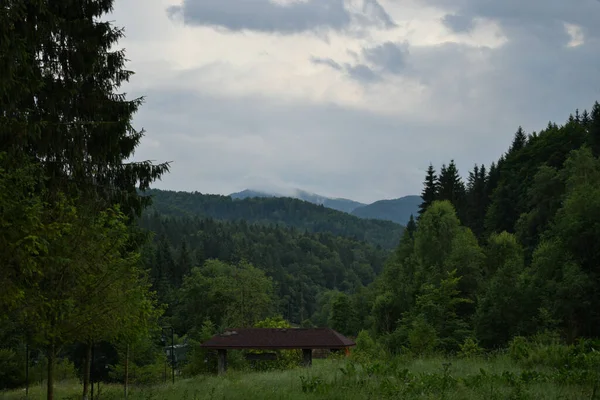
(126, 369)
(50, 382)
(86, 370)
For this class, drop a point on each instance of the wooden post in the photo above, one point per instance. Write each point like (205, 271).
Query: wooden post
(307, 357)
(222, 361)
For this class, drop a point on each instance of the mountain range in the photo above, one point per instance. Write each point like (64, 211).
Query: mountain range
(395, 210)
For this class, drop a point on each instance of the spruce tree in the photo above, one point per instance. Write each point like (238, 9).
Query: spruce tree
(452, 188)
(519, 141)
(430, 191)
(585, 118)
(59, 100)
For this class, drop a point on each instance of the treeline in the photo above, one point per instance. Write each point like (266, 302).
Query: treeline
(290, 212)
(301, 265)
(514, 252)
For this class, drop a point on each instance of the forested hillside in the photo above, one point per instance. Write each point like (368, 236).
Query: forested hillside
(395, 210)
(339, 204)
(513, 252)
(277, 210)
(302, 265)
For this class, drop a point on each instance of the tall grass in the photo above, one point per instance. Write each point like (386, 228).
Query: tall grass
(479, 377)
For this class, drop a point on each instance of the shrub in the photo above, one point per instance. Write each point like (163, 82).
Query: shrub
(367, 349)
(469, 348)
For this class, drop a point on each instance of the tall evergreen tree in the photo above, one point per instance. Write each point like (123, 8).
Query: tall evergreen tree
(452, 188)
(477, 200)
(519, 141)
(430, 191)
(59, 102)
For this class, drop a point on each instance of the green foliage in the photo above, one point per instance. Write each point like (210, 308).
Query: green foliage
(342, 315)
(303, 266)
(422, 336)
(469, 348)
(146, 363)
(229, 295)
(367, 349)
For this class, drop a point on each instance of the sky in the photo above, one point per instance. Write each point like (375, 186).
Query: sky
(349, 98)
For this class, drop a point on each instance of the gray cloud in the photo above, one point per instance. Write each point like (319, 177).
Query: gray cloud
(359, 72)
(268, 16)
(326, 61)
(362, 73)
(536, 17)
(458, 23)
(388, 56)
(222, 144)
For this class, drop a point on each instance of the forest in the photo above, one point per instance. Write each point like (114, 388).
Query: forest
(101, 273)
(284, 211)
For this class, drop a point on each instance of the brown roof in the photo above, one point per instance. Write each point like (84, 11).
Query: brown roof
(278, 338)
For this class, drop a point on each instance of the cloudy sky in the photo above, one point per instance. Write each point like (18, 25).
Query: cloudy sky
(349, 98)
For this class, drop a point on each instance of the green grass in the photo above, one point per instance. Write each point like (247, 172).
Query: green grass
(427, 378)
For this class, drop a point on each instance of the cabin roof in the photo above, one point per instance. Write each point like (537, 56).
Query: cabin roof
(278, 338)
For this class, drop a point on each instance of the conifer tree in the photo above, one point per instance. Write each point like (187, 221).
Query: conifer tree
(430, 191)
(477, 200)
(59, 102)
(519, 141)
(452, 188)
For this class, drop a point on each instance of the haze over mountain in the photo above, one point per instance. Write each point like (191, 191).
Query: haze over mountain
(339, 204)
(395, 210)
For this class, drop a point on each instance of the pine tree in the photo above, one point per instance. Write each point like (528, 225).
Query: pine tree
(430, 191)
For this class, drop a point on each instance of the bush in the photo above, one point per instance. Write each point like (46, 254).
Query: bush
(422, 337)
(367, 349)
(543, 349)
(143, 374)
(469, 348)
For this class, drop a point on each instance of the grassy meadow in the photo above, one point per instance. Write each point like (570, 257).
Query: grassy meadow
(489, 378)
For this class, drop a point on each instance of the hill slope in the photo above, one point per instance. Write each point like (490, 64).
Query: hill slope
(396, 210)
(313, 262)
(283, 211)
(339, 204)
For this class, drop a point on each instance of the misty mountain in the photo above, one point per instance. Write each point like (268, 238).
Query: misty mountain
(396, 210)
(339, 204)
